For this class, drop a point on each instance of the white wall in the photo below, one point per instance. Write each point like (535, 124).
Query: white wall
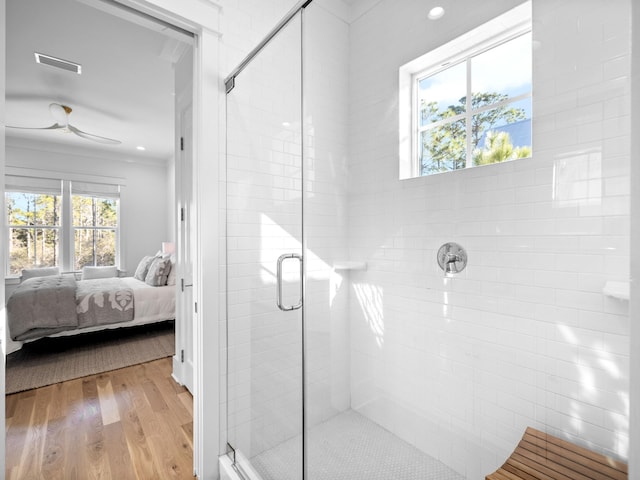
(144, 200)
(524, 336)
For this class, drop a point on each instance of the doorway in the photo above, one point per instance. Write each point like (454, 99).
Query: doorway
(171, 53)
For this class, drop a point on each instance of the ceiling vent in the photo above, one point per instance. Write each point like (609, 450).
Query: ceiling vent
(58, 63)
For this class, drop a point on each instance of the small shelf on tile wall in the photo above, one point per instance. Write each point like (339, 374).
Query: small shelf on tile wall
(618, 290)
(349, 265)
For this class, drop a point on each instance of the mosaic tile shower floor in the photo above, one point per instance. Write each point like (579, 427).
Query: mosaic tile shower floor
(351, 447)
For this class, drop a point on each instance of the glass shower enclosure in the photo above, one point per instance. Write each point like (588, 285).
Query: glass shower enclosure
(264, 257)
(287, 322)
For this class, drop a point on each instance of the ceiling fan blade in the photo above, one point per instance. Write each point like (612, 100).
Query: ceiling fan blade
(95, 138)
(55, 126)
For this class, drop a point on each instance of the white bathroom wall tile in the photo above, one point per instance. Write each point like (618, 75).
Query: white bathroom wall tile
(605, 322)
(616, 67)
(528, 317)
(616, 306)
(617, 225)
(527, 251)
(618, 344)
(580, 300)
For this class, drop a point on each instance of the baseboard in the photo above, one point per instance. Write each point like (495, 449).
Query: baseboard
(176, 371)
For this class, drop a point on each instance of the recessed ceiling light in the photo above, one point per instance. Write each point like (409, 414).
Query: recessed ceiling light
(141, 148)
(286, 124)
(435, 13)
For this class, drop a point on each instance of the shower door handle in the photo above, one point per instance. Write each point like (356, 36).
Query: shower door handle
(281, 259)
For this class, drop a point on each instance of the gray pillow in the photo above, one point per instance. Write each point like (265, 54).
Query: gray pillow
(171, 279)
(39, 272)
(158, 272)
(143, 268)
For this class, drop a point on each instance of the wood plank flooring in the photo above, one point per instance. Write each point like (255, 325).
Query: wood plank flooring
(132, 423)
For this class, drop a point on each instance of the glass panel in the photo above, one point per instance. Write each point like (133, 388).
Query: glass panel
(443, 148)
(442, 95)
(94, 247)
(32, 247)
(94, 211)
(502, 72)
(327, 290)
(502, 133)
(264, 221)
(33, 208)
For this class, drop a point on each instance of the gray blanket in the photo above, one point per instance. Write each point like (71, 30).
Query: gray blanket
(42, 306)
(103, 301)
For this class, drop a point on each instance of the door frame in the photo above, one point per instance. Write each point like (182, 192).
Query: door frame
(201, 19)
(183, 367)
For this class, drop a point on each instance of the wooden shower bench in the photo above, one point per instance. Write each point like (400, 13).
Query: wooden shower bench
(540, 456)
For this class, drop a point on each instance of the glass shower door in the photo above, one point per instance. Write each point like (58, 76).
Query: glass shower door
(264, 262)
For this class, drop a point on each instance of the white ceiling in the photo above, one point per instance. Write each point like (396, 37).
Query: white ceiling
(125, 91)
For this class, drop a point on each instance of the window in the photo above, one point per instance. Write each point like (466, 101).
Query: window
(468, 103)
(60, 223)
(33, 219)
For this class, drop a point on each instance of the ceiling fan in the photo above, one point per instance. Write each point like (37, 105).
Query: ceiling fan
(60, 114)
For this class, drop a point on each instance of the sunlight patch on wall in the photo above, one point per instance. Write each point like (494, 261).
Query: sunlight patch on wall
(609, 365)
(567, 334)
(370, 298)
(335, 282)
(446, 308)
(275, 239)
(598, 372)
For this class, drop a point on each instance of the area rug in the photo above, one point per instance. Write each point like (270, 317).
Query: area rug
(53, 360)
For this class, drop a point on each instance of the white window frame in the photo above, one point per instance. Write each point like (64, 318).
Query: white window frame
(91, 190)
(103, 187)
(505, 27)
(37, 188)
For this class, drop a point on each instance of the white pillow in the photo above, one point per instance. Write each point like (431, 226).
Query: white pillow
(91, 273)
(39, 272)
(143, 267)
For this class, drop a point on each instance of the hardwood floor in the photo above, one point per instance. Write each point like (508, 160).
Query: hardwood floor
(133, 423)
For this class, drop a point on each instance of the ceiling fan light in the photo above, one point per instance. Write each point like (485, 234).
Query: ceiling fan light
(60, 113)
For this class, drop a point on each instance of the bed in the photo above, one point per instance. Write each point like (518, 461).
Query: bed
(61, 305)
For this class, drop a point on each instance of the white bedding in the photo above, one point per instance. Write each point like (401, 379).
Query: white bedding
(151, 305)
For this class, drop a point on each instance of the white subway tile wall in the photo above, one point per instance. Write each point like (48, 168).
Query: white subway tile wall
(326, 142)
(524, 336)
